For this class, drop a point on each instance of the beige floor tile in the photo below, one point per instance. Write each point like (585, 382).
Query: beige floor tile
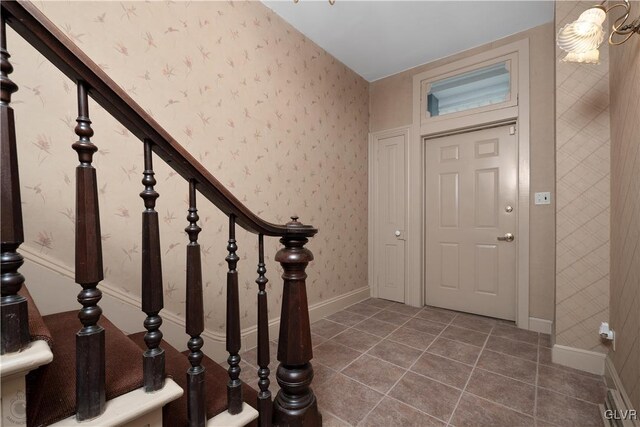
(505, 391)
(437, 315)
(477, 323)
(330, 420)
(512, 367)
(444, 370)
(429, 396)
(357, 340)
(544, 340)
(326, 328)
(363, 309)
(566, 411)
(321, 373)
(475, 412)
(513, 348)
(390, 412)
(506, 331)
(466, 336)
(347, 318)
(412, 338)
(398, 354)
(378, 302)
(251, 356)
(334, 356)
(407, 310)
(346, 398)
(376, 327)
(391, 317)
(374, 373)
(459, 351)
(426, 326)
(571, 384)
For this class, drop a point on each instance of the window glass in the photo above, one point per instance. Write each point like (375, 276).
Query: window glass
(478, 88)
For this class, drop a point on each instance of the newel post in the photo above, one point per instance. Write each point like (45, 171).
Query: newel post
(295, 404)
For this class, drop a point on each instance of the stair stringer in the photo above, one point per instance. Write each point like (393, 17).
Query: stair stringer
(14, 367)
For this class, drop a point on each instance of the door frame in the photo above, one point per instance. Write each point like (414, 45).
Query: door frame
(415, 294)
(374, 137)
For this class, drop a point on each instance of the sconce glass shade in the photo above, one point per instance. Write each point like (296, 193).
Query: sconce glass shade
(590, 57)
(584, 34)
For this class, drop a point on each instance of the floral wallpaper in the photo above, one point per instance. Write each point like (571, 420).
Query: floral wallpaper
(274, 117)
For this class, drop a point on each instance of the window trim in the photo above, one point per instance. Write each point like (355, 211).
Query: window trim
(512, 65)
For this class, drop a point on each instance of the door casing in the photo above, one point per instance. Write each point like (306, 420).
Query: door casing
(416, 164)
(372, 202)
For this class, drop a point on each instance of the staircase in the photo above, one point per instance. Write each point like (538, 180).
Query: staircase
(77, 368)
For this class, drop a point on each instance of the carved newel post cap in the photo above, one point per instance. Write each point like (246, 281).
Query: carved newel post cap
(294, 223)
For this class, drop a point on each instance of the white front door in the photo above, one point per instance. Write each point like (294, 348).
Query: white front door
(389, 215)
(472, 182)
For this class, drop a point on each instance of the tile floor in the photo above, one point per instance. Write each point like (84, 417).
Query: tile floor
(379, 363)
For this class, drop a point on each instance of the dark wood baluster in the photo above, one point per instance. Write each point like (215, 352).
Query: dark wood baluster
(13, 307)
(295, 404)
(152, 292)
(90, 351)
(234, 386)
(195, 318)
(264, 395)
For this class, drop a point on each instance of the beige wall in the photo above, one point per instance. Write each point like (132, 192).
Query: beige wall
(583, 166)
(274, 117)
(624, 67)
(390, 106)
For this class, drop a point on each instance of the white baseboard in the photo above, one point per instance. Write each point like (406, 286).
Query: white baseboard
(614, 381)
(584, 360)
(43, 274)
(540, 325)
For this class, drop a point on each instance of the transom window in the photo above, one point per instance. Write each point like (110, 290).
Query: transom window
(485, 87)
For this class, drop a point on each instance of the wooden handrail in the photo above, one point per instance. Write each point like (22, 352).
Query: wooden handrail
(295, 404)
(30, 23)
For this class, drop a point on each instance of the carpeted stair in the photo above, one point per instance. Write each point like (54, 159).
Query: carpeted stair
(176, 363)
(51, 389)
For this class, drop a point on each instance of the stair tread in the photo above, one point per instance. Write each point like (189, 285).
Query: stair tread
(216, 377)
(38, 330)
(51, 389)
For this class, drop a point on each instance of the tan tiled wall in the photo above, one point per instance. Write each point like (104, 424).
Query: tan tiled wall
(624, 67)
(582, 194)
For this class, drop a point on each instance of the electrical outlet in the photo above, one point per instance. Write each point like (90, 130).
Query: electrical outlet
(543, 198)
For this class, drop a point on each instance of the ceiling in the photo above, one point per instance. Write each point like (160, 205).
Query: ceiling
(380, 38)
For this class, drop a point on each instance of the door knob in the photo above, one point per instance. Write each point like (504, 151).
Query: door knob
(508, 237)
(397, 233)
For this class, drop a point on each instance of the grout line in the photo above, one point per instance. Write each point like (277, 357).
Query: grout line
(416, 409)
(568, 395)
(506, 376)
(405, 373)
(535, 392)
(501, 405)
(469, 379)
(423, 352)
(322, 410)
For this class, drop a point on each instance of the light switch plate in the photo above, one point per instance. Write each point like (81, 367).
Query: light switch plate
(543, 198)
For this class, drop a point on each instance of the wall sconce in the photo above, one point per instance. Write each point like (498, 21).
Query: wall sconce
(582, 37)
